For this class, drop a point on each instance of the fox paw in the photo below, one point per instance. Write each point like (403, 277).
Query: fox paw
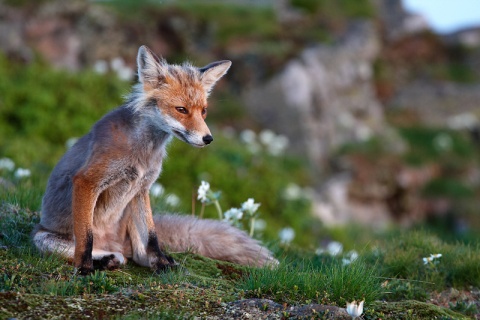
(164, 263)
(84, 271)
(109, 262)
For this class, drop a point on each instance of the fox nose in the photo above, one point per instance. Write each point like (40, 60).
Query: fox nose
(207, 139)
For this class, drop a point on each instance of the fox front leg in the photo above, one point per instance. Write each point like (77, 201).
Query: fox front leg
(83, 204)
(141, 229)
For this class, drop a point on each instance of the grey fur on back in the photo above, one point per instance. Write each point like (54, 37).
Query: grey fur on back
(211, 238)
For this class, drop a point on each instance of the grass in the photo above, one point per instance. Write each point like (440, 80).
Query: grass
(333, 283)
(390, 268)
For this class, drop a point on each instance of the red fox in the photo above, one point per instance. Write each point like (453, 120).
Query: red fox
(96, 209)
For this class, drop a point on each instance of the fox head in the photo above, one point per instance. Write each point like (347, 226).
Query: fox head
(179, 93)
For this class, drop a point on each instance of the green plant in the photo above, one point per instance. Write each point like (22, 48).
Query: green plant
(333, 284)
(464, 307)
(41, 108)
(404, 259)
(431, 144)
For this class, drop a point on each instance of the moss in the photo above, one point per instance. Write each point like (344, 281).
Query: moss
(199, 284)
(186, 300)
(409, 309)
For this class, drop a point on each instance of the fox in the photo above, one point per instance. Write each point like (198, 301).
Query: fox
(96, 210)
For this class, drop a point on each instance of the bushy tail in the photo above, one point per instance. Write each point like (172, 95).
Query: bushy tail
(211, 238)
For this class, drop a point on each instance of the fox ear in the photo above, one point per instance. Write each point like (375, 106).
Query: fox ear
(211, 73)
(150, 67)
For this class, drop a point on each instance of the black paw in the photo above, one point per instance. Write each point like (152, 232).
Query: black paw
(106, 263)
(164, 263)
(84, 270)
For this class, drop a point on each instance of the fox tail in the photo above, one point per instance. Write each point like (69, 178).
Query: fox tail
(211, 238)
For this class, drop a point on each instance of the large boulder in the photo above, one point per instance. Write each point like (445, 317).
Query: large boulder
(324, 97)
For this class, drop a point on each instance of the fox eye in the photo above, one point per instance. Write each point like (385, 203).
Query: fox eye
(204, 111)
(181, 110)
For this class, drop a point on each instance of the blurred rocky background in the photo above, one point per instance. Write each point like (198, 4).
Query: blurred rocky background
(382, 111)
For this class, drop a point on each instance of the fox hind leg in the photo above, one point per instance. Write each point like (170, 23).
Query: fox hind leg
(143, 237)
(50, 242)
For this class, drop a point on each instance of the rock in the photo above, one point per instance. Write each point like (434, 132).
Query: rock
(397, 22)
(378, 193)
(12, 43)
(268, 309)
(324, 97)
(335, 206)
(436, 103)
(469, 37)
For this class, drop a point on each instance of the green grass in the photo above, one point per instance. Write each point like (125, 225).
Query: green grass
(42, 108)
(344, 8)
(223, 22)
(402, 256)
(390, 268)
(425, 144)
(309, 282)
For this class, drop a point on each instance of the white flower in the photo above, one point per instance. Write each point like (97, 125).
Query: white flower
(355, 310)
(346, 261)
(172, 200)
(70, 142)
(100, 66)
(117, 63)
(443, 142)
(278, 145)
(334, 248)
(7, 164)
(250, 206)
(286, 235)
(125, 73)
(202, 191)
(22, 173)
(432, 258)
(266, 137)
(292, 192)
(352, 255)
(248, 136)
(156, 190)
(232, 215)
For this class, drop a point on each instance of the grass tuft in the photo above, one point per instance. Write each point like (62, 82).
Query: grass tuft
(305, 283)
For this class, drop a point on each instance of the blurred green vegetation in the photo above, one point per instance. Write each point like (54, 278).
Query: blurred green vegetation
(347, 9)
(239, 175)
(427, 144)
(250, 30)
(41, 108)
(228, 20)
